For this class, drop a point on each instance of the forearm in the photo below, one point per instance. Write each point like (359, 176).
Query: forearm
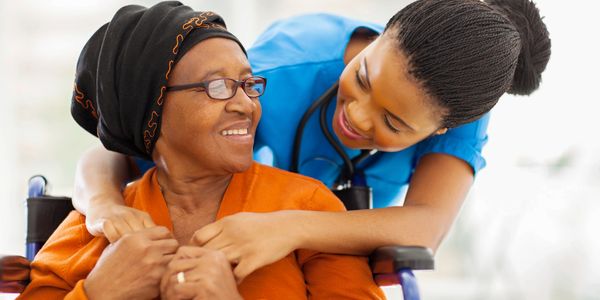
(424, 220)
(99, 175)
(361, 232)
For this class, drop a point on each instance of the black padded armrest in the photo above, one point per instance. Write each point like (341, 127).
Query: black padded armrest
(387, 261)
(14, 274)
(44, 214)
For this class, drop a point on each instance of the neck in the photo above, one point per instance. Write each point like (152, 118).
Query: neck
(190, 188)
(361, 38)
(191, 193)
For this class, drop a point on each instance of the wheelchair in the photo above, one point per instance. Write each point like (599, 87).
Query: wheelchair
(390, 265)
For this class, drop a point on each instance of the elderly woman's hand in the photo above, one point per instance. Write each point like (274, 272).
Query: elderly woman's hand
(133, 267)
(250, 240)
(199, 273)
(114, 221)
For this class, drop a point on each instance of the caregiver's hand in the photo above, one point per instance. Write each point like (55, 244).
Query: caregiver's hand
(133, 267)
(114, 221)
(251, 240)
(206, 274)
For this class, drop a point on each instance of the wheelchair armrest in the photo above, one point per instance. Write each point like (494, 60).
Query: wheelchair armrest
(386, 262)
(14, 274)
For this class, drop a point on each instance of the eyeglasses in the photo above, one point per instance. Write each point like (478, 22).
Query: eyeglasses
(225, 88)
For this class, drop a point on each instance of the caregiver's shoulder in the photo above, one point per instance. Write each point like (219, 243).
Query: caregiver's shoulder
(307, 38)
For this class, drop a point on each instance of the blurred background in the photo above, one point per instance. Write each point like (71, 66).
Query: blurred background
(528, 228)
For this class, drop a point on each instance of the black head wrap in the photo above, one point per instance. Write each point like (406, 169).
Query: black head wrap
(123, 69)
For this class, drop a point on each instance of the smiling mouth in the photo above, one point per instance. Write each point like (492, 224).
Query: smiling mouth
(238, 136)
(234, 132)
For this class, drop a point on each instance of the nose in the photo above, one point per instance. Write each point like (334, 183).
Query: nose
(241, 103)
(360, 115)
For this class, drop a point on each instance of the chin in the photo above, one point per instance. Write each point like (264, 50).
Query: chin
(239, 165)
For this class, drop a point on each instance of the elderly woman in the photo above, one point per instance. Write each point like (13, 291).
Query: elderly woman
(172, 85)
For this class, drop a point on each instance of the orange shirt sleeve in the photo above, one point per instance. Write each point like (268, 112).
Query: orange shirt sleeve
(60, 268)
(335, 276)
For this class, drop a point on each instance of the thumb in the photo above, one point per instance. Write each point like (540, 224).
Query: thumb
(243, 269)
(206, 234)
(94, 227)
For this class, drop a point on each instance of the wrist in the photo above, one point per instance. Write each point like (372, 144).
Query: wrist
(106, 199)
(299, 231)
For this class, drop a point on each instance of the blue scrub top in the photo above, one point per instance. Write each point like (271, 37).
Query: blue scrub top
(302, 57)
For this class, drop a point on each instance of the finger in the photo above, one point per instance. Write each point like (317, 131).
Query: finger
(134, 222)
(182, 265)
(218, 242)
(186, 290)
(190, 252)
(242, 270)
(95, 228)
(206, 233)
(147, 221)
(166, 246)
(232, 254)
(110, 232)
(121, 227)
(157, 233)
(166, 259)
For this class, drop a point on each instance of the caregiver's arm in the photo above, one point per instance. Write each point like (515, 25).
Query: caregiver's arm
(436, 192)
(97, 194)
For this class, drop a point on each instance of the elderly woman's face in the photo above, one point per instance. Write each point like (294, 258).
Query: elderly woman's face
(212, 135)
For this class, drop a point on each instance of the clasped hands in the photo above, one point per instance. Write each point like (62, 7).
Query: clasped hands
(149, 263)
(249, 241)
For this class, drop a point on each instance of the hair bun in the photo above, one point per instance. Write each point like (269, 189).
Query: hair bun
(535, 43)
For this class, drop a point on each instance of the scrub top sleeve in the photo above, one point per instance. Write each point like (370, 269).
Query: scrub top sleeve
(464, 142)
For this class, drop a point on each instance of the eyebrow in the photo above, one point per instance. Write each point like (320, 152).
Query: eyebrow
(221, 72)
(399, 120)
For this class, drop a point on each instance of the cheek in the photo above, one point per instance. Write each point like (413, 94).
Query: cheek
(392, 142)
(257, 114)
(346, 84)
(187, 122)
(396, 142)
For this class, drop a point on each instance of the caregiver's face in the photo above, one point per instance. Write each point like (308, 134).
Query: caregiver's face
(214, 135)
(379, 106)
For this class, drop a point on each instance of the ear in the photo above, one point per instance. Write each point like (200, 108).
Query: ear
(441, 131)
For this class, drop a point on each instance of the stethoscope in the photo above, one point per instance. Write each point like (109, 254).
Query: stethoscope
(350, 186)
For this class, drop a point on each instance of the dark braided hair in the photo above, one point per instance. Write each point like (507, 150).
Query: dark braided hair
(467, 53)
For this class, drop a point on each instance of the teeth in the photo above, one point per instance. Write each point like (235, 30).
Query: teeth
(242, 131)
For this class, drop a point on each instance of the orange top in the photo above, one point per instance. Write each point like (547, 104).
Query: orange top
(64, 262)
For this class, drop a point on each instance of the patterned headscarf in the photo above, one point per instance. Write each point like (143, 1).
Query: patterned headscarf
(123, 69)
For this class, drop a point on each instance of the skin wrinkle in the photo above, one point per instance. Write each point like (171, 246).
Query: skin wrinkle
(204, 164)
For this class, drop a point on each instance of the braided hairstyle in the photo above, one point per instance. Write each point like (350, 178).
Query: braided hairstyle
(465, 54)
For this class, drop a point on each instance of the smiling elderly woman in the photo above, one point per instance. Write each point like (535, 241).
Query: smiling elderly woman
(171, 84)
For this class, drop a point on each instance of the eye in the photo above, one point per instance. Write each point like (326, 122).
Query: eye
(362, 85)
(387, 122)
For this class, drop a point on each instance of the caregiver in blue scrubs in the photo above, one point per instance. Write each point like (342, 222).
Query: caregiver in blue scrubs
(417, 91)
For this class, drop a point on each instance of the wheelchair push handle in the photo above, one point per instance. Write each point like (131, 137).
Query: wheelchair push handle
(44, 214)
(37, 186)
